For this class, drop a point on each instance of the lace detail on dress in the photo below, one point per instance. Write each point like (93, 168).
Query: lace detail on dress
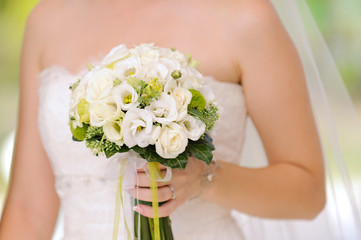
(88, 199)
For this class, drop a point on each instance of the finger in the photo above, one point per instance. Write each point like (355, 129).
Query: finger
(145, 194)
(144, 181)
(164, 211)
(146, 168)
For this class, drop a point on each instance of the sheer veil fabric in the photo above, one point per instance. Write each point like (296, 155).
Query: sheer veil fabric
(337, 121)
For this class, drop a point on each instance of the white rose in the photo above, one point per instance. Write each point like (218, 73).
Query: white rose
(172, 141)
(117, 53)
(153, 70)
(113, 131)
(101, 112)
(99, 85)
(191, 79)
(195, 127)
(182, 97)
(164, 109)
(147, 52)
(127, 67)
(137, 127)
(125, 96)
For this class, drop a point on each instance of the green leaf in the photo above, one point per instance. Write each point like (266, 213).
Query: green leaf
(149, 154)
(202, 149)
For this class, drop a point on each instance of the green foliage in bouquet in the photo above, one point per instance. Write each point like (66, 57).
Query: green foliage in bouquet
(94, 140)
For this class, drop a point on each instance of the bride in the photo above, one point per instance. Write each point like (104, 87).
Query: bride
(256, 72)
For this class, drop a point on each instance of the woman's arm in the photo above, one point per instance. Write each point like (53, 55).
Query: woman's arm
(278, 103)
(292, 186)
(32, 204)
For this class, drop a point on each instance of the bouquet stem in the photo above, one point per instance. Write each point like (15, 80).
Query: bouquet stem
(146, 228)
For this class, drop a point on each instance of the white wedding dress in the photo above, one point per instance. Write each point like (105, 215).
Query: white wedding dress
(88, 198)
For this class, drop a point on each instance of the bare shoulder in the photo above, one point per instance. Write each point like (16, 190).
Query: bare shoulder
(40, 21)
(246, 16)
(43, 13)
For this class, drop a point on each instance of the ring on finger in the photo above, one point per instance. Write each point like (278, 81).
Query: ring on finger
(173, 192)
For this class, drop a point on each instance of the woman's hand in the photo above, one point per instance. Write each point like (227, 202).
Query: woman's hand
(185, 183)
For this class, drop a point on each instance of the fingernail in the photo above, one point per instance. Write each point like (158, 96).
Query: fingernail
(138, 209)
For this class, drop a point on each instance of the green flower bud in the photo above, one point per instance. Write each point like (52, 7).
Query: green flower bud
(198, 101)
(83, 110)
(176, 74)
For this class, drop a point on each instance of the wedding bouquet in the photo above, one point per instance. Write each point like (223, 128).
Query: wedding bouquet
(149, 100)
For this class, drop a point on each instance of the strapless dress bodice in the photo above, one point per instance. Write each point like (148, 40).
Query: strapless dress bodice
(88, 198)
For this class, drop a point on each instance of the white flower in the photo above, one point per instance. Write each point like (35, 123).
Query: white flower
(78, 93)
(127, 67)
(172, 141)
(191, 79)
(147, 52)
(137, 127)
(117, 53)
(101, 112)
(173, 55)
(100, 84)
(155, 134)
(153, 70)
(170, 85)
(164, 109)
(182, 97)
(113, 131)
(125, 95)
(208, 94)
(195, 127)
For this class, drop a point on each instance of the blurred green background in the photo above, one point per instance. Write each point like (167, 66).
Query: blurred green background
(339, 21)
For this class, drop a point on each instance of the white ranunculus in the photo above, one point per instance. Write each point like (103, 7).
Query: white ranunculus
(195, 127)
(113, 131)
(99, 85)
(164, 109)
(155, 134)
(147, 52)
(127, 67)
(191, 79)
(172, 141)
(152, 70)
(182, 97)
(137, 127)
(116, 54)
(125, 96)
(101, 112)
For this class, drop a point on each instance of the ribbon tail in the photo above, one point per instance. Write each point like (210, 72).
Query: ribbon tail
(153, 172)
(119, 204)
